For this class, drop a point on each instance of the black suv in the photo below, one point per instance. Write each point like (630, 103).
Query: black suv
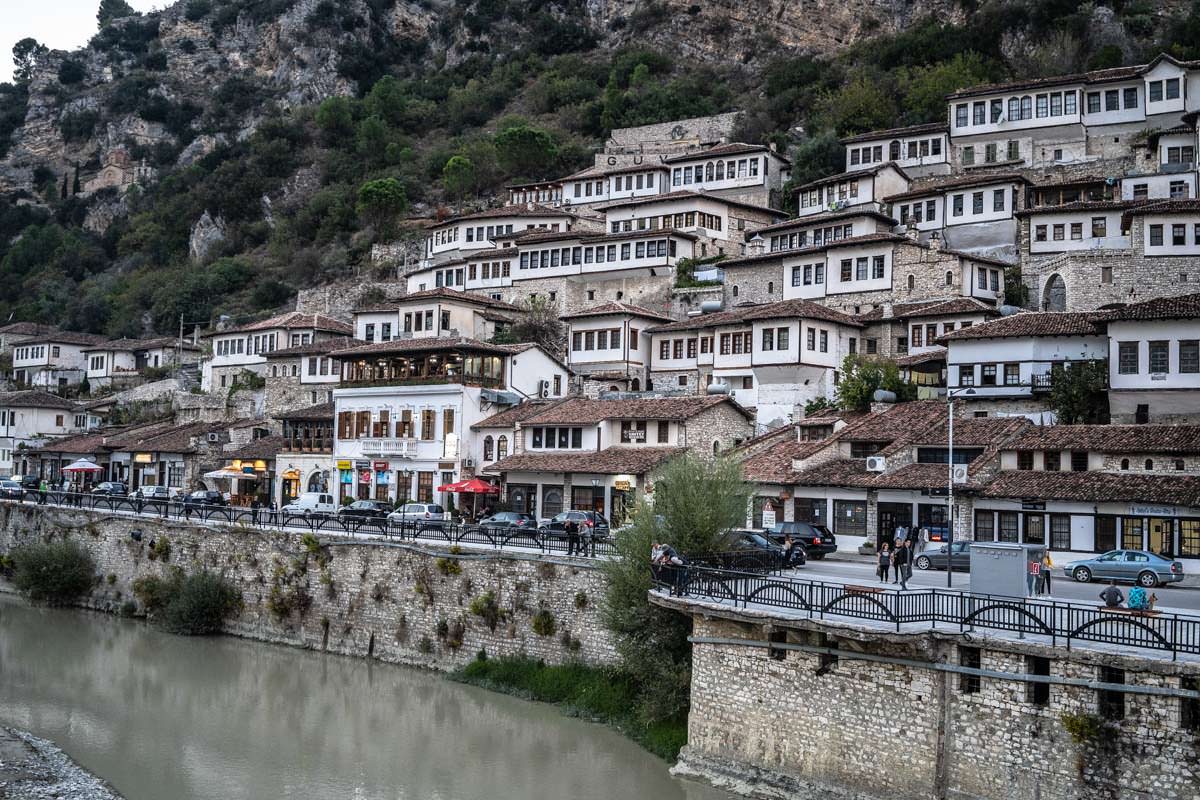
(590, 523)
(365, 510)
(509, 519)
(203, 497)
(817, 540)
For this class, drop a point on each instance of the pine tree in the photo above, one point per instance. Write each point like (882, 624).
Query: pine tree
(113, 9)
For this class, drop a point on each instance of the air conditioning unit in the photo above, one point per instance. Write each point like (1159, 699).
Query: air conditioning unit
(214, 437)
(959, 473)
(543, 389)
(876, 464)
(469, 463)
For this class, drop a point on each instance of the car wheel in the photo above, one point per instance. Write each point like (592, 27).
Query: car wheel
(1082, 575)
(1147, 579)
(923, 562)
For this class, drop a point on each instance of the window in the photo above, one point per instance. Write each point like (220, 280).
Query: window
(1043, 105)
(958, 205)
(987, 375)
(1156, 235)
(1178, 235)
(824, 341)
(1039, 233)
(1156, 91)
(1189, 537)
(1172, 87)
(1131, 533)
(1189, 356)
(1079, 461)
(968, 156)
(978, 114)
(1025, 460)
(427, 423)
(1012, 374)
(850, 518)
(1008, 526)
(985, 526)
(1099, 227)
(1076, 231)
(877, 267)
(1159, 358)
(997, 200)
(977, 203)
(960, 115)
(1131, 97)
(768, 339)
(1060, 531)
(1070, 103)
(969, 657)
(1112, 100)
(1093, 103)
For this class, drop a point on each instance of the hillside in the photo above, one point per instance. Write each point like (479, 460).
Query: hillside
(216, 156)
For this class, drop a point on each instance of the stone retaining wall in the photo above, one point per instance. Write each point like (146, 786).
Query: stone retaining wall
(394, 602)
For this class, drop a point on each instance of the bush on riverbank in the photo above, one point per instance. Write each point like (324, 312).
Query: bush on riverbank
(57, 573)
(601, 694)
(189, 605)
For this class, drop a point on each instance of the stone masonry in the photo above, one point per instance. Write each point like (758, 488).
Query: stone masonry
(393, 602)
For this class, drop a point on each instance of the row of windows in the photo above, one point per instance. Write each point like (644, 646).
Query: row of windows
(380, 424)
(687, 219)
(990, 375)
(958, 202)
(1110, 532)
(485, 233)
(919, 212)
(918, 148)
(544, 195)
(1052, 460)
(37, 351)
(257, 344)
(716, 171)
(96, 362)
(1187, 357)
(981, 112)
(776, 338)
(546, 438)
(423, 321)
(1179, 236)
(599, 254)
(448, 277)
(828, 195)
(1183, 154)
(495, 449)
(928, 333)
(830, 233)
(608, 339)
(385, 332)
(489, 270)
(856, 269)
(808, 274)
(1099, 230)
(991, 150)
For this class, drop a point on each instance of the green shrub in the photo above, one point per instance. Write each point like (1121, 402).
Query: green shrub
(448, 566)
(543, 623)
(486, 608)
(154, 592)
(160, 549)
(56, 573)
(1083, 728)
(201, 603)
(581, 600)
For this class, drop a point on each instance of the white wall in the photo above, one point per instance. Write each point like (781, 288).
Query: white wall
(1191, 234)
(1045, 223)
(834, 284)
(1144, 332)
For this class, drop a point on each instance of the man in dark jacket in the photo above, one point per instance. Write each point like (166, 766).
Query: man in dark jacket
(900, 564)
(571, 527)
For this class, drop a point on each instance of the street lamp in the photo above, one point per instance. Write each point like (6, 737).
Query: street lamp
(950, 395)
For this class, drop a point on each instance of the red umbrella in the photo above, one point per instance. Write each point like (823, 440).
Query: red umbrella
(474, 486)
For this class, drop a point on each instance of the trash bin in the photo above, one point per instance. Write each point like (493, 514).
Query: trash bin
(1006, 569)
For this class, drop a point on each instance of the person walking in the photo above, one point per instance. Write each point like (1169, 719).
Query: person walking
(571, 528)
(900, 564)
(43, 490)
(1044, 574)
(789, 551)
(923, 540)
(885, 560)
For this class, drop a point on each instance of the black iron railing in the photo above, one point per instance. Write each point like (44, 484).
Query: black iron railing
(542, 540)
(1061, 622)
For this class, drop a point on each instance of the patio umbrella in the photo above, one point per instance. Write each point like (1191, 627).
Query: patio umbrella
(228, 472)
(473, 487)
(83, 466)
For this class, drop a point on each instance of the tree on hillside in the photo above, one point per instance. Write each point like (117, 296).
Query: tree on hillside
(381, 202)
(925, 88)
(695, 502)
(335, 118)
(25, 56)
(538, 324)
(1079, 393)
(862, 375)
(526, 152)
(113, 9)
(458, 176)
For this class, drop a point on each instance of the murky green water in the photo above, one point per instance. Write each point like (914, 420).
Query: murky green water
(172, 718)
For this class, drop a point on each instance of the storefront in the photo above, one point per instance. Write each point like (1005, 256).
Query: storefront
(345, 471)
(383, 481)
(522, 498)
(290, 489)
(623, 500)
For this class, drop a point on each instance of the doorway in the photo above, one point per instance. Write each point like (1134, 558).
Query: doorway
(889, 517)
(1162, 536)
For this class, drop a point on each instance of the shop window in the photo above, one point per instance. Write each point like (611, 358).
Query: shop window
(985, 526)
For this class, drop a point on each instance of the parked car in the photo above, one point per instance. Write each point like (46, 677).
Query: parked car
(509, 519)
(957, 553)
(11, 490)
(310, 504)
(29, 482)
(748, 549)
(1134, 566)
(203, 498)
(154, 494)
(429, 515)
(363, 510)
(110, 489)
(591, 523)
(817, 540)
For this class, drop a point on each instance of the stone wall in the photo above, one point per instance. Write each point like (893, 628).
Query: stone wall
(571, 293)
(394, 602)
(809, 725)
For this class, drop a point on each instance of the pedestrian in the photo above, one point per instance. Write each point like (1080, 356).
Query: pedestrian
(587, 536)
(255, 506)
(1112, 596)
(675, 568)
(274, 520)
(885, 560)
(923, 540)
(656, 561)
(43, 490)
(1044, 574)
(900, 564)
(571, 528)
(1138, 601)
(908, 557)
(789, 551)
(899, 536)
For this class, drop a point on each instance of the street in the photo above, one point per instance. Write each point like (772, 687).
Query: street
(1063, 588)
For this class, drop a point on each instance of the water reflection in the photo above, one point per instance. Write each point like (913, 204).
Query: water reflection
(168, 717)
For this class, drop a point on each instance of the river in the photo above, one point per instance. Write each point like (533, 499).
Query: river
(163, 717)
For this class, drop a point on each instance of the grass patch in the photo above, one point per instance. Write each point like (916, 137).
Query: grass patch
(597, 693)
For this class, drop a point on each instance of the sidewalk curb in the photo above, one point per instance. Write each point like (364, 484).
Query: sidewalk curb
(1190, 583)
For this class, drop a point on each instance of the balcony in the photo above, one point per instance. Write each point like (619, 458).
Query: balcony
(306, 444)
(390, 448)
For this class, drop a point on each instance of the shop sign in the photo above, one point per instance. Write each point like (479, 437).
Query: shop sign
(634, 435)
(364, 476)
(768, 517)
(343, 465)
(622, 486)
(381, 466)
(362, 464)
(1152, 511)
(143, 458)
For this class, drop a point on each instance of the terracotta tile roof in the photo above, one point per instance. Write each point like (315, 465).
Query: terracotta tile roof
(1030, 323)
(518, 413)
(898, 421)
(440, 293)
(1175, 439)
(27, 329)
(598, 172)
(1094, 76)
(687, 194)
(820, 219)
(1096, 487)
(1081, 206)
(774, 465)
(910, 130)
(34, 398)
(292, 320)
(743, 314)
(84, 444)
(526, 238)
(172, 439)
(636, 460)
(67, 337)
(317, 348)
(1169, 207)
(929, 308)
(979, 257)
(264, 447)
(321, 411)
(951, 184)
(519, 210)
(731, 149)
(582, 410)
(842, 176)
(1185, 306)
(418, 345)
(972, 432)
(934, 354)
(614, 307)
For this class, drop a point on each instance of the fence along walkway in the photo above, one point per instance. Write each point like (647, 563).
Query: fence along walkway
(1069, 622)
(541, 540)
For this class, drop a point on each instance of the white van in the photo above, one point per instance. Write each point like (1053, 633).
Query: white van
(310, 504)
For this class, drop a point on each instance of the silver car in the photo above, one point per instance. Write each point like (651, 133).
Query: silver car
(1132, 566)
(427, 515)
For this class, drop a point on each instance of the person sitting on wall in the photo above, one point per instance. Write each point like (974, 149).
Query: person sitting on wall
(1112, 596)
(1138, 601)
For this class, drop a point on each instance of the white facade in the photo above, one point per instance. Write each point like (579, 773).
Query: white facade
(1154, 370)
(1017, 366)
(49, 364)
(479, 231)
(25, 426)
(609, 342)
(1164, 186)
(723, 169)
(851, 189)
(1170, 234)
(919, 152)
(1052, 231)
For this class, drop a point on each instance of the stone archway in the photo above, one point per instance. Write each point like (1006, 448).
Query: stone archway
(1054, 294)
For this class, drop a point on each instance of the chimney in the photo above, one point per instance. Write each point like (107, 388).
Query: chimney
(757, 245)
(912, 233)
(935, 241)
(887, 310)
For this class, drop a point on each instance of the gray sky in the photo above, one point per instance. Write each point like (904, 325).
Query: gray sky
(58, 24)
